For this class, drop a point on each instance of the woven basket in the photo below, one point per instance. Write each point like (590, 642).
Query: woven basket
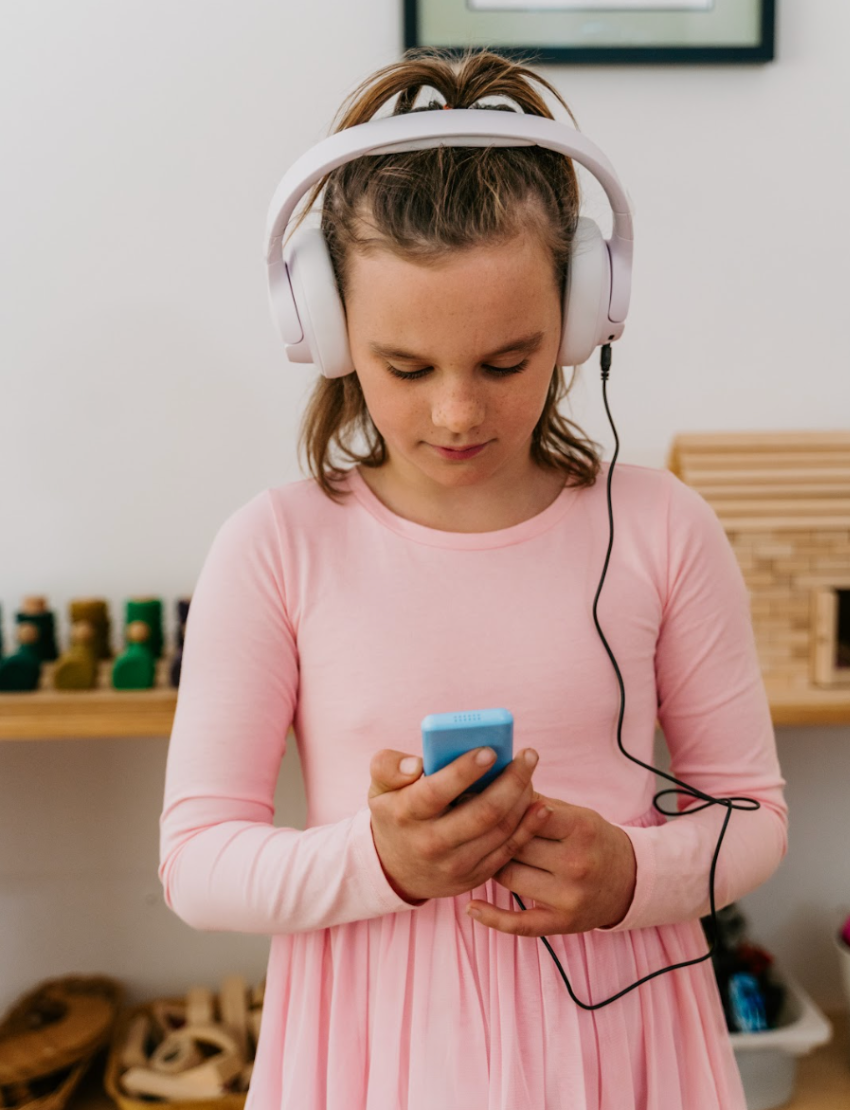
(230, 1100)
(58, 1097)
(53, 1033)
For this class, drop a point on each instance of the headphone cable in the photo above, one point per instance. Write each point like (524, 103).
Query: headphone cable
(729, 803)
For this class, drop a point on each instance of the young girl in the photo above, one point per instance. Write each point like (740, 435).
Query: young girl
(350, 605)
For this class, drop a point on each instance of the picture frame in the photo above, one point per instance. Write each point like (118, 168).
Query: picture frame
(600, 32)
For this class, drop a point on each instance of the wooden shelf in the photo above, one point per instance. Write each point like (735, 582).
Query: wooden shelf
(809, 707)
(49, 714)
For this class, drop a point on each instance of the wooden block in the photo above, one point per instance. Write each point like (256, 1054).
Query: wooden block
(803, 509)
(174, 1054)
(766, 578)
(787, 523)
(824, 623)
(200, 1006)
(772, 549)
(205, 1080)
(133, 1050)
(761, 472)
(819, 581)
(794, 566)
(233, 1010)
(166, 1016)
(750, 441)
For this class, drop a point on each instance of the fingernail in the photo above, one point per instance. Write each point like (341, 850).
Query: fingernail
(531, 757)
(485, 756)
(409, 764)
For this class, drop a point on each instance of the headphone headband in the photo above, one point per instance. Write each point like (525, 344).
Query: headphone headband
(463, 127)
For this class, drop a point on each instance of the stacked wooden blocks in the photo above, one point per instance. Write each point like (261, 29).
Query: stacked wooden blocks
(784, 501)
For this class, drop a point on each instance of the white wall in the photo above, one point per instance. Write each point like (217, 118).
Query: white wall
(144, 394)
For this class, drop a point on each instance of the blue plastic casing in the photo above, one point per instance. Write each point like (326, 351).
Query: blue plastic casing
(445, 736)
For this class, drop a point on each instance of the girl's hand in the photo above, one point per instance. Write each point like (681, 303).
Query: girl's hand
(580, 870)
(434, 837)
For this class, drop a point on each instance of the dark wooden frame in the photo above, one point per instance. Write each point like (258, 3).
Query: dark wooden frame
(615, 55)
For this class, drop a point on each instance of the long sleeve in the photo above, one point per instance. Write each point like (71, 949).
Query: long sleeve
(715, 716)
(223, 865)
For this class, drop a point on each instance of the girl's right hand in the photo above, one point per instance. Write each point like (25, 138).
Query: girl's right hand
(432, 840)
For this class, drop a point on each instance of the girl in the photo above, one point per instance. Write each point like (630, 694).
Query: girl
(350, 605)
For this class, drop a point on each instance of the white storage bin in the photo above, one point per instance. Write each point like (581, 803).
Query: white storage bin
(767, 1060)
(843, 951)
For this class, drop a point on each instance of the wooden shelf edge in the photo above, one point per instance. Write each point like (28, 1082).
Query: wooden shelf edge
(106, 714)
(809, 707)
(101, 713)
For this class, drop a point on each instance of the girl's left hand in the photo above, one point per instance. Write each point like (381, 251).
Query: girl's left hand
(580, 870)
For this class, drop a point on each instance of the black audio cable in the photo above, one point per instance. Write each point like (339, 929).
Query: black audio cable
(605, 363)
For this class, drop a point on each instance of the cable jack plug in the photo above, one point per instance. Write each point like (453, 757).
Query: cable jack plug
(605, 361)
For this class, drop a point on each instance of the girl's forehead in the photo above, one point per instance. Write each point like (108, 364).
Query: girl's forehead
(491, 269)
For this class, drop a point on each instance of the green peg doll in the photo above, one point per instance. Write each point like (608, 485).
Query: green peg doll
(135, 668)
(22, 669)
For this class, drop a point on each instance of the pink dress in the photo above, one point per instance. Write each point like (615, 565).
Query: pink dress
(340, 622)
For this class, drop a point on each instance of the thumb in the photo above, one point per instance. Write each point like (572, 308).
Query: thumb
(391, 770)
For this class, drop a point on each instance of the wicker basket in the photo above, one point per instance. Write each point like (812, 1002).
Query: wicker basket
(230, 1100)
(66, 1081)
(51, 1035)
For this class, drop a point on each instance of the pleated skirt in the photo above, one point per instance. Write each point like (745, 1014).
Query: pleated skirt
(430, 1010)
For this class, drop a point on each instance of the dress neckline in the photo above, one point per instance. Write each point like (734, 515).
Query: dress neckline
(461, 541)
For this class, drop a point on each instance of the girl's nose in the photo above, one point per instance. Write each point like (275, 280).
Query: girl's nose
(457, 414)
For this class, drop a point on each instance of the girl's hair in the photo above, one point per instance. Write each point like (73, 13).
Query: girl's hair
(425, 204)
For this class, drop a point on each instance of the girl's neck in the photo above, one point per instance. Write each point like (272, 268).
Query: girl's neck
(465, 514)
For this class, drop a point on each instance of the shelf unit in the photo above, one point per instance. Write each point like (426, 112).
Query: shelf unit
(48, 714)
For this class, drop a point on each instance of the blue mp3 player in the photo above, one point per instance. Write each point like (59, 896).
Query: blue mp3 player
(445, 736)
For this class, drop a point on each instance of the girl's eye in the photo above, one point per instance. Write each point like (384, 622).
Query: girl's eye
(497, 370)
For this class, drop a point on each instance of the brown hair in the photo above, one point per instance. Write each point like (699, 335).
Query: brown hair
(426, 203)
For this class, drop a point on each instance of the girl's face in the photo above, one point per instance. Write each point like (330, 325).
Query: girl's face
(449, 321)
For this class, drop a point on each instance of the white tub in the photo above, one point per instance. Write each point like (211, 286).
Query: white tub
(768, 1059)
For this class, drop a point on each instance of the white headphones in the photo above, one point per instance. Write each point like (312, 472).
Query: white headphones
(303, 295)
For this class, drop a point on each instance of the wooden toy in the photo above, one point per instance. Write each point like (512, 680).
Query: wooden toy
(95, 610)
(177, 658)
(203, 1080)
(135, 668)
(22, 670)
(200, 1006)
(197, 1052)
(149, 610)
(784, 501)
(166, 1016)
(77, 667)
(233, 1008)
(34, 611)
(132, 1052)
(177, 1052)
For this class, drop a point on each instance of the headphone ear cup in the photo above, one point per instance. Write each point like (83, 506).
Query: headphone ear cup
(318, 305)
(587, 296)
